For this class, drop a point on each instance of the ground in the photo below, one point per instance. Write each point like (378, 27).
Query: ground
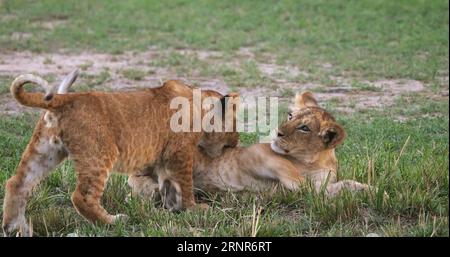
(381, 67)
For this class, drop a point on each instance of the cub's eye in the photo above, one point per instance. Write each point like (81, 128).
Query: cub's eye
(289, 116)
(303, 128)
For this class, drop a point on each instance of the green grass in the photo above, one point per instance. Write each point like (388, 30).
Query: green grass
(4, 84)
(370, 38)
(363, 40)
(365, 87)
(416, 181)
(134, 74)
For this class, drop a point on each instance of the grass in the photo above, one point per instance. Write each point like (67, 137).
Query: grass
(88, 82)
(4, 84)
(361, 40)
(371, 38)
(416, 181)
(366, 87)
(134, 74)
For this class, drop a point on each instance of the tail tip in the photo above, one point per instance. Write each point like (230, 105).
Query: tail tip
(48, 97)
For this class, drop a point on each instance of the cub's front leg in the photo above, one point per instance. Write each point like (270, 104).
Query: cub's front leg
(175, 180)
(283, 171)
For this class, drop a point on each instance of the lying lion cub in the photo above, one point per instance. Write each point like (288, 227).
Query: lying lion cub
(101, 132)
(302, 150)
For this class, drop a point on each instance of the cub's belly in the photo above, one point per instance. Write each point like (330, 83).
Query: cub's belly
(133, 164)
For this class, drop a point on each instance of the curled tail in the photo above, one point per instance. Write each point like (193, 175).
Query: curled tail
(31, 99)
(47, 100)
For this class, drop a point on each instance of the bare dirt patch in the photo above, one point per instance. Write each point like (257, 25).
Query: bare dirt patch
(106, 72)
(202, 54)
(281, 73)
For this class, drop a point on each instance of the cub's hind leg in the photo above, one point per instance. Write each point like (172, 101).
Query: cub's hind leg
(327, 181)
(335, 188)
(91, 182)
(42, 155)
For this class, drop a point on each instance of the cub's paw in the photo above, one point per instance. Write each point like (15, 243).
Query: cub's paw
(18, 227)
(122, 218)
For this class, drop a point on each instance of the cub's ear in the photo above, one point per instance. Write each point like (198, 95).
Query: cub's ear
(232, 94)
(232, 99)
(332, 135)
(230, 106)
(305, 99)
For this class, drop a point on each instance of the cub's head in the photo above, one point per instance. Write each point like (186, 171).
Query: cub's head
(213, 143)
(308, 130)
(213, 105)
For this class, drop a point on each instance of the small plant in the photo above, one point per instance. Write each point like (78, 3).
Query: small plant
(4, 85)
(287, 92)
(48, 61)
(85, 66)
(134, 74)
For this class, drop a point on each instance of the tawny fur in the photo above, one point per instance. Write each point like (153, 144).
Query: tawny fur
(100, 133)
(293, 158)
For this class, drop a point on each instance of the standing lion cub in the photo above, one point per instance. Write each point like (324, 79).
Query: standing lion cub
(101, 132)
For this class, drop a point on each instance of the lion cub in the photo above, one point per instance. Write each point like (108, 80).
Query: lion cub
(101, 132)
(304, 149)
